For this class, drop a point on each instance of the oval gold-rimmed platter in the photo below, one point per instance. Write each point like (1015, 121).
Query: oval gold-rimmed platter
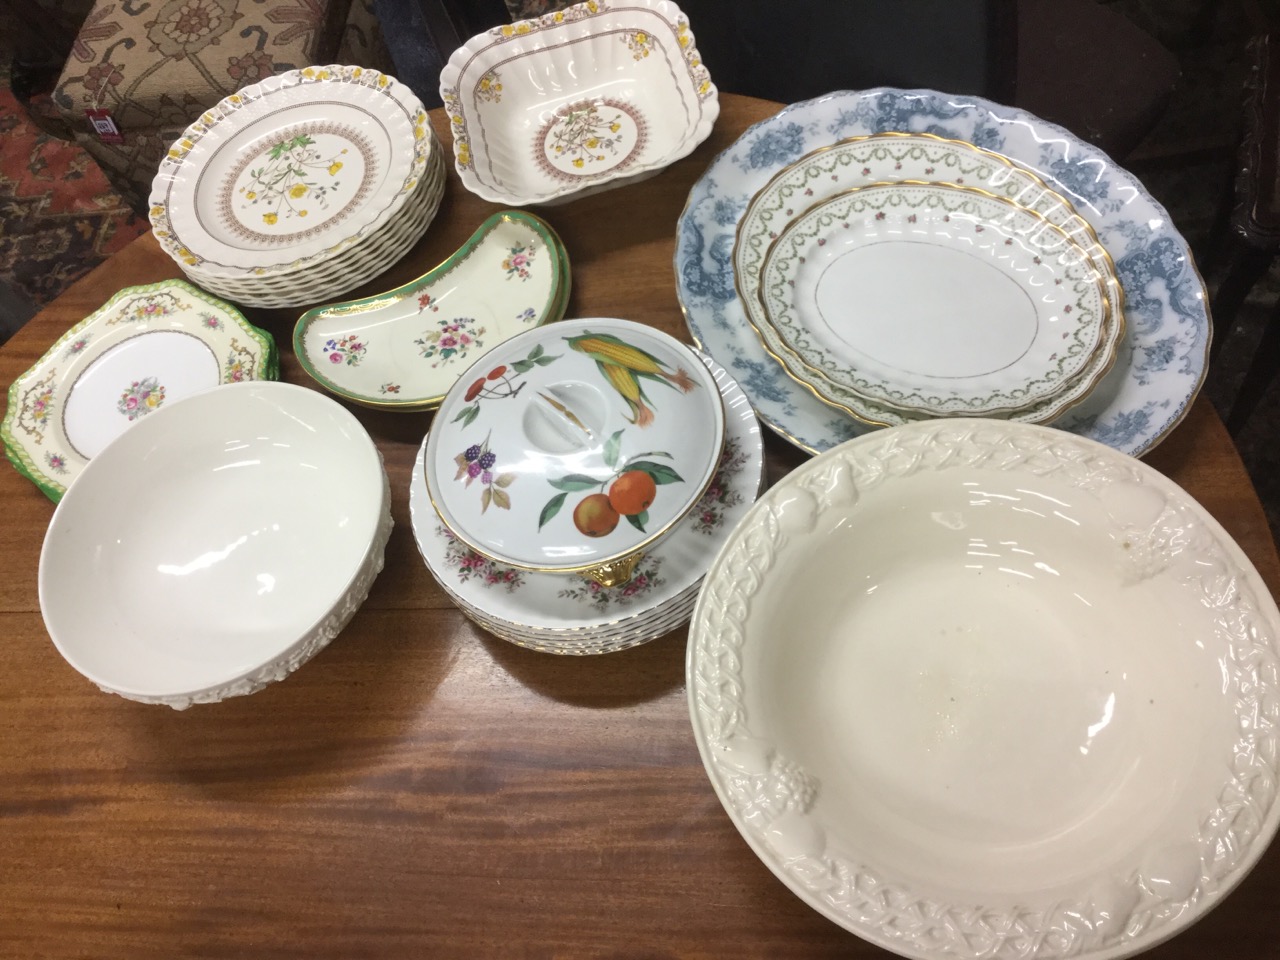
(1162, 357)
(934, 299)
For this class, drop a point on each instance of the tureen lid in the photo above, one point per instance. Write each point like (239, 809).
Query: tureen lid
(574, 445)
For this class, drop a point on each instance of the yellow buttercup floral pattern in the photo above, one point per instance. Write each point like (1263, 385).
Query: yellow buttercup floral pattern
(490, 88)
(639, 42)
(585, 136)
(290, 182)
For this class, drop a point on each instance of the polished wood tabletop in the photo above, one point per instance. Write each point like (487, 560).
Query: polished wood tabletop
(421, 789)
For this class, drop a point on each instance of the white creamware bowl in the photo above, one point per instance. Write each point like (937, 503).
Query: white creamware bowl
(215, 546)
(576, 100)
(975, 689)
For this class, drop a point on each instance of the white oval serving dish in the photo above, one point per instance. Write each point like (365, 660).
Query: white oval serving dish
(935, 300)
(245, 527)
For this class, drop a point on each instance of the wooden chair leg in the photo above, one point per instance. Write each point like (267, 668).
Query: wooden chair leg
(1219, 240)
(1247, 268)
(1261, 372)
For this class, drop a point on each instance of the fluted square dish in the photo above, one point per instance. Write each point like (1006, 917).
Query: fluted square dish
(576, 100)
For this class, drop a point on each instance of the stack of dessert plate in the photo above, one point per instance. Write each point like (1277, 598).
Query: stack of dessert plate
(873, 258)
(298, 188)
(894, 297)
(472, 512)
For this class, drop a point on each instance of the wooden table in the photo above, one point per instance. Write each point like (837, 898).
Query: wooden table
(421, 789)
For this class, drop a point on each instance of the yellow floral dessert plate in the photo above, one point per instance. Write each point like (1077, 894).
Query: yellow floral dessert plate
(360, 263)
(405, 348)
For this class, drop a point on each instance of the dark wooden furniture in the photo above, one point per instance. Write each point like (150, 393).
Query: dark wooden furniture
(421, 789)
(1254, 227)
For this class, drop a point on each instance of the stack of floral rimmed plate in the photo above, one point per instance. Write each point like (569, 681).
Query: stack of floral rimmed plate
(869, 259)
(296, 189)
(572, 494)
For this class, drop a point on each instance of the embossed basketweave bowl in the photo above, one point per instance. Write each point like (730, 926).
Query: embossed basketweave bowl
(975, 689)
(216, 546)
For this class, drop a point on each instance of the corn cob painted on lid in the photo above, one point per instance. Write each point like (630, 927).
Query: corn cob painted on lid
(574, 446)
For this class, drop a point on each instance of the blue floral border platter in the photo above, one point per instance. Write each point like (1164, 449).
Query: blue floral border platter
(1160, 366)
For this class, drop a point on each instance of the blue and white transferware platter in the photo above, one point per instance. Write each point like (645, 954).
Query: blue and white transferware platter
(1160, 366)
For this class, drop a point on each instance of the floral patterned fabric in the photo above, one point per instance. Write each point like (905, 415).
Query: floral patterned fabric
(528, 9)
(361, 42)
(154, 66)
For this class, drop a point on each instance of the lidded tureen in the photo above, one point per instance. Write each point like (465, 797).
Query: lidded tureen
(575, 446)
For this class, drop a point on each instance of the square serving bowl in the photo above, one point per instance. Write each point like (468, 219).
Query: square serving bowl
(576, 101)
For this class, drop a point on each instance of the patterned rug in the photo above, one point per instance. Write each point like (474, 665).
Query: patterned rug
(59, 217)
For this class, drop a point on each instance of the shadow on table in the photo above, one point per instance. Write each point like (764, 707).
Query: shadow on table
(607, 681)
(323, 727)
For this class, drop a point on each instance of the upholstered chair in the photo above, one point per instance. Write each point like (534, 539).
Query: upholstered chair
(140, 71)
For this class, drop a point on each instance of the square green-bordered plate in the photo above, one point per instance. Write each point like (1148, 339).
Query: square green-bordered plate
(145, 347)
